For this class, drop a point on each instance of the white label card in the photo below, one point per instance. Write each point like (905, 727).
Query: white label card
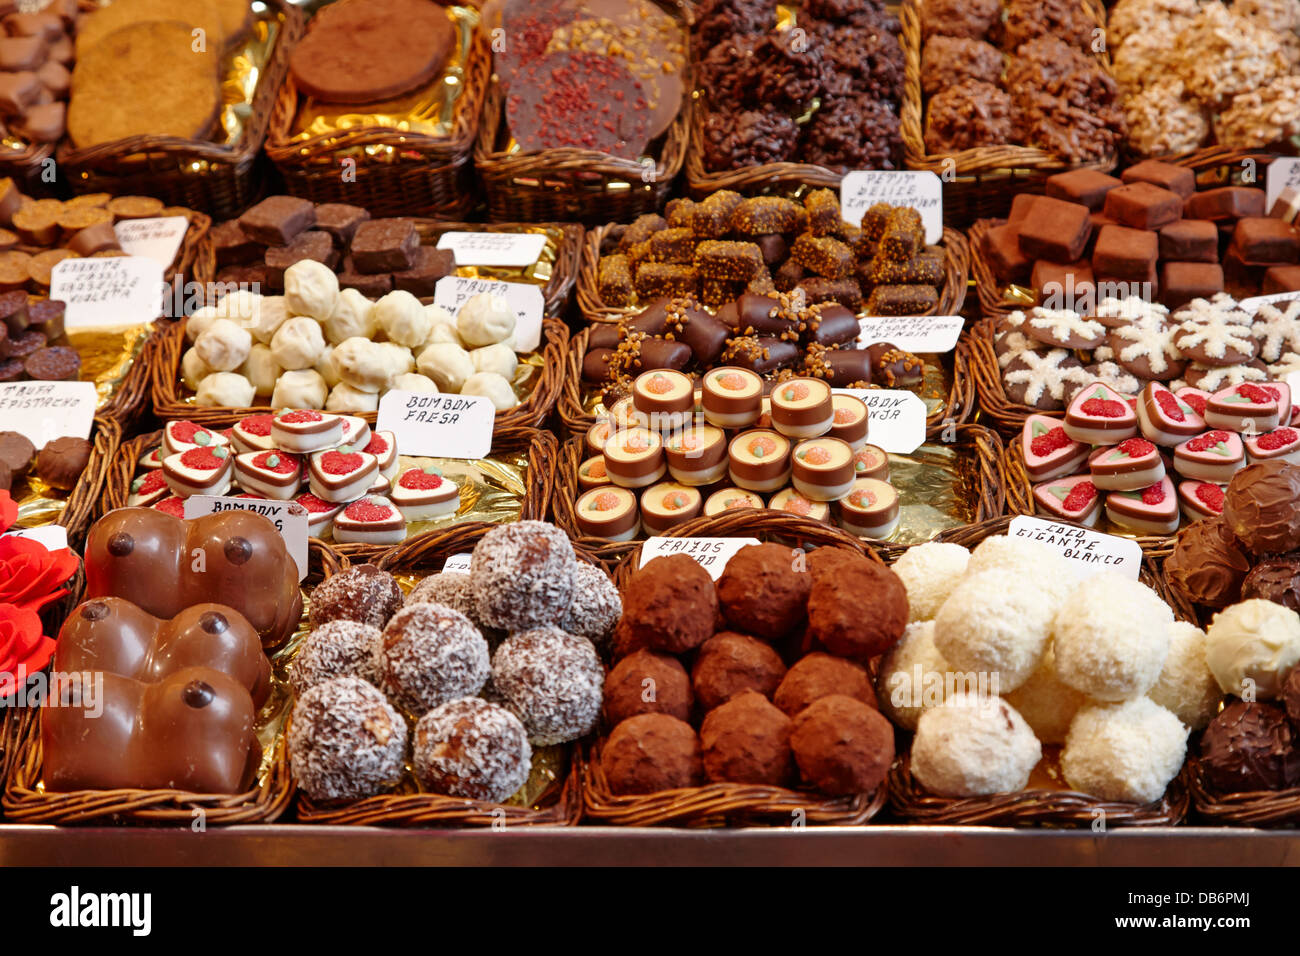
(712, 554)
(116, 292)
(289, 518)
(512, 249)
(44, 411)
(454, 291)
(53, 536)
(457, 563)
(896, 420)
(929, 334)
(1252, 304)
(156, 239)
(920, 189)
(1092, 550)
(438, 426)
(1281, 173)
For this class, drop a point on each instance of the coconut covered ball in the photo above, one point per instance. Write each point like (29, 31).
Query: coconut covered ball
(1029, 560)
(1253, 645)
(1047, 703)
(337, 649)
(929, 572)
(596, 606)
(1127, 751)
(345, 740)
(996, 622)
(471, 748)
(972, 746)
(522, 575)
(900, 697)
(550, 680)
(1186, 686)
(1112, 635)
(449, 589)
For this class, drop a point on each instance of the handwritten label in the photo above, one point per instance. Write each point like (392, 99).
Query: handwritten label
(118, 292)
(1283, 172)
(53, 536)
(712, 554)
(454, 291)
(913, 333)
(156, 239)
(44, 411)
(438, 426)
(1252, 304)
(920, 189)
(513, 249)
(289, 518)
(1091, 550)
(896, 419)
(457, 564)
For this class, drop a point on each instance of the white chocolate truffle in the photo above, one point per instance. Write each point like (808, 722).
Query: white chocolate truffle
(397, 359)
(913, 676)
(1127, 752)
(1112, 635)
(1033, 560)
(1047, 703)
(225, 390)
(996, 623)
(498, 358)
(223, 346)
(241, 307)
(439, 316)
(271, 314)
(444, 334)
(311, 288)
(1256, 641)
(1186, 687)
(345, 398)
(261, 369)
(360, 363)
(303, 388)
(353, 316)
(403, 318)
(485, 320)
(298, 343)
(327, 369)
(493, 387)
(415, 382)
(929, 572)
(193, 369)
(973, 746)
(447, 364)
(199, 320)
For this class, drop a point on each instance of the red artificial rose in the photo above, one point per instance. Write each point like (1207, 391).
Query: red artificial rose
(31, 575)
(8, 510)
(24, 649)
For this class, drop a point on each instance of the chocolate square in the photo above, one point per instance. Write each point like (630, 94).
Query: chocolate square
(430, 265)
(1190, 240)
(1126, 253)
(340, 220)
(1178, 179)
(233, 246)
(1057, 279)
(1056, 230)
(1020, 204)
(13, 311)
(46, 316)
(1264, 241)
(384, 245)
(1184, 281)
(1281, 279)
(1143, 206)
(1085, 186)
(1002, 249)
(313, 244)
(1226, 202)
(276, 220)
(371, 285)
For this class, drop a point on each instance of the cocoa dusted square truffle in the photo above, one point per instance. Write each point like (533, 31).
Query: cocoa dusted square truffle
(1281, 279)
(340, 220)
(233, 246)
(1055, 229)
(1002, 249)
(1020, 204)
(1226, 202)
(1190, 240)
(1055, 278)
(276, 220)
(312, 244)
(1264, 241)
(1126, 253)
(422, 278)
(1087, 187)
(1143, 206)
(1178, 179)
(1182, 282)
(384, 245)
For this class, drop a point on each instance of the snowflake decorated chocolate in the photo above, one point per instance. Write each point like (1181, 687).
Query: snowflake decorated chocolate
(523, 575)
(1208, 379)
(1213, 339)
(1038, 379)
(552, 681)
(430, 654)
(1063, 328)
(1148, 350)
(471, 748)
(1048, 451)
(1277, 330)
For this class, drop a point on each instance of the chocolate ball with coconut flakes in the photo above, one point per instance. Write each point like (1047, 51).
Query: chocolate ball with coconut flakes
(362, 593)
(550, 680)
(522, 575)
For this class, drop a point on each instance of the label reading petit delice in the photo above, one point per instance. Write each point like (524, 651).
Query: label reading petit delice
(1092, 550)
(438, 426)
(502, 249)
(920, 189)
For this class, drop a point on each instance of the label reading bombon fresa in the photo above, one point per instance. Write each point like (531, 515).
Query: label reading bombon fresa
(438, 426)
(289, 518)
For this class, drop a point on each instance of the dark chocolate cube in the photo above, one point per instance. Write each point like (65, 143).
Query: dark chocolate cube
(313, 244)
(340, 220)
(276, 220)
(1143, 206)
(1178, 179)
(1126, 253)
(1087, 187)
(384, 245)
(371, 285)
(1190, 240)
(1226, 202)
(1020, 204)
(1184, 281)
(1264, 241)
(430, 265)
(1055, 279)
(1002, 249)
(1281, 279)
(233, 246)
(1056, 230)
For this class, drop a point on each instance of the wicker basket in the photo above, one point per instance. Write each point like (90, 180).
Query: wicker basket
(559, 805)
(423, 175)
(1038, 807)
(986, 177)
(979, 443)
(220, 180)
(1262, 808)
(594, 309)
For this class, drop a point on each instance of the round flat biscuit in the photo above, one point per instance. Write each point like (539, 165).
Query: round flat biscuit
(203, 15)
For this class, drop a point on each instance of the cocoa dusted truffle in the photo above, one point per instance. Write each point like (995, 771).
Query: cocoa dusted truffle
(820, 675)
(647, 683)
(842, 746)
(522, 575)
(362, 593)
(856, 608)
(669, 605)
(762, 593)
(1208, 564)
(1275, 579)
(1260, 507)
(1249, 746)
(967, 115)
(747, 740)
(729, 664)
(649, 753)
